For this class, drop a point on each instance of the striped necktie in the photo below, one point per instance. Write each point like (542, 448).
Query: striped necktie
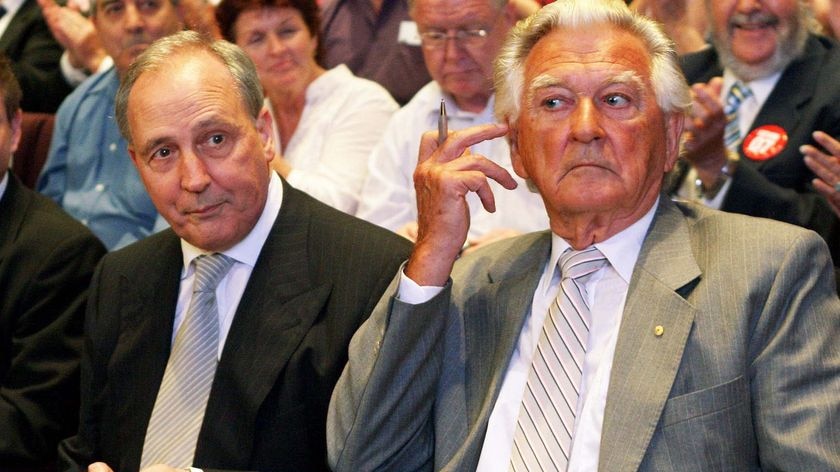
(732, 132)
(182, 398)
(546, 421)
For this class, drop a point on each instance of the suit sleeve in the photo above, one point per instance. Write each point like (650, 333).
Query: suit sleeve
(795, 365)
(36, 66)
(381, 412)
(39, 397)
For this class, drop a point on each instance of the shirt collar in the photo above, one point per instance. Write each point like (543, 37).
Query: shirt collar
(621, 250)
(4, 182)
(760, 88)
(248, 250)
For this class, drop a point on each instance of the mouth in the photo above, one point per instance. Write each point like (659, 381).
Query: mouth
(204, 211)
(754, 22)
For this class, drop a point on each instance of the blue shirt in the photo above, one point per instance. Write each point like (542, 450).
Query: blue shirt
(88, 171)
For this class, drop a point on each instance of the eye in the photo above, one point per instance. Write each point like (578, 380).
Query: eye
(617, 100)
(216, 139)
(552, 103)
(113, 8)
(162, 153)
(148, 5)
(287, 32)
(255, 38)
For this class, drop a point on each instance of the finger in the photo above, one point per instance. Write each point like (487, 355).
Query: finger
(830, 144)
(473, 162)
(826, 190)
(821, 170)
(458, 141)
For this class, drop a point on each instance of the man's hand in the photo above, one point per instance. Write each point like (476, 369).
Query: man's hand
(443, 178)
(75, 33)
(704, 148)
(198, 15)
(826, 167)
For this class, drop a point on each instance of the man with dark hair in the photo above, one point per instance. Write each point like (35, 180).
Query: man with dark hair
(88, 172)
(216, 343)
(46, 262)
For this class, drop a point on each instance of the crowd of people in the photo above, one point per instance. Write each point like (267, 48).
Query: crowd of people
(251, 248)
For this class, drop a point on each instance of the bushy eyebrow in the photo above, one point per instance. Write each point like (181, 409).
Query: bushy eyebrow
(201, 127)
(544, 81)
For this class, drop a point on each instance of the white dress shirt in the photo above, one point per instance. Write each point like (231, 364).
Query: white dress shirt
(245, 253)
(606, 293)
(388, 197)
(342, 120)
(11, 6)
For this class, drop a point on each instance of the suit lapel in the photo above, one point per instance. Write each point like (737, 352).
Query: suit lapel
(494, 322)
(13, 207)
(793, 90)
(279, 305)
(645, 364)
(150, 292)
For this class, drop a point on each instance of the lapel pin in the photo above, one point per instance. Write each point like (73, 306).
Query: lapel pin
(658, 331)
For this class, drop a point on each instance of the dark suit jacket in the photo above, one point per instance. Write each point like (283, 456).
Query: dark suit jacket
(317, 278)
(806, 99)
(744, 377)
(35, 55)
(46, 261)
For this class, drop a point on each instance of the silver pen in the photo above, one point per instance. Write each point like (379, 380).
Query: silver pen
(443, 126)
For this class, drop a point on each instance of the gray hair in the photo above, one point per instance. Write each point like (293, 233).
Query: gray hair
(497, 4)
(669, 85)
(92, 6)
(160, 54)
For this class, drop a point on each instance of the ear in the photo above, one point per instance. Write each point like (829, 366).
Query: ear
(265, 128)
(674, 124)
(16, 125)
(515, 157)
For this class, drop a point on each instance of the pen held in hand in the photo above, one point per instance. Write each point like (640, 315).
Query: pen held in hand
(443, 126)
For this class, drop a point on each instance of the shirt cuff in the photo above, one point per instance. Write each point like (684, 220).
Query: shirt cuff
(411, 293)
(72, 75)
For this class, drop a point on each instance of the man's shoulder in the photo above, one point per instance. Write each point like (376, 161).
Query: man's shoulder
(103, 84)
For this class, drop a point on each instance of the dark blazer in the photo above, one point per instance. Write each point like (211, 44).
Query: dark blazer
(46, 262)
(805, 99)
(35, 55)
(317, 278)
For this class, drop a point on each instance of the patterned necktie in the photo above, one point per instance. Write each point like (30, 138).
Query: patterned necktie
(183, 394)
(732, 133)
(546, 421)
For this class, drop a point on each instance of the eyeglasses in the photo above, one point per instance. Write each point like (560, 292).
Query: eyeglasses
(466, 38)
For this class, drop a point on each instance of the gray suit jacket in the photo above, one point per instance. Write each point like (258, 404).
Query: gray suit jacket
(745, 377)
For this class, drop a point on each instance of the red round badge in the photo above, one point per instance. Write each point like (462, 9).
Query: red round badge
(765, 142)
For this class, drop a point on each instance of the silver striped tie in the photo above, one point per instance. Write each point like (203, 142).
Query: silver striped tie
(732, 132)
(546, 421)
(182, 398)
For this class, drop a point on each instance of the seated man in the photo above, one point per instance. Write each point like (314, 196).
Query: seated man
(255, 290)
(760, 93)
(639, 334)
(88, 171)
(459, 41)
(46, 262)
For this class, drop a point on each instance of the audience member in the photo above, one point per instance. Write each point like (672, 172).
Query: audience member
(377, 40)
(46, 262)
(683, 20)
(88, 171)
(827, 13)
(268, 341)
(326, 121)
(460, 39)
(775, 83)
(712, 341)
(27, 41)
(83, 54)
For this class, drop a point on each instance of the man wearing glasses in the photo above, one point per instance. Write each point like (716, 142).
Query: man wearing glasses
(460, 39)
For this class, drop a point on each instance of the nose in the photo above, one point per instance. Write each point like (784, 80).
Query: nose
(451, 48)
(132, 19)
(746, 6)
(194, 175)
(275, 44)
(586, 124)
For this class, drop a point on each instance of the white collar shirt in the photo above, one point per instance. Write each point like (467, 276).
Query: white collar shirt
(606, 292)
(245, 254)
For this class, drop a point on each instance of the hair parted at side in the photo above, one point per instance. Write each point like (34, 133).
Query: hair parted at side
(670, 87)
(159, 55)
(10, 87)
